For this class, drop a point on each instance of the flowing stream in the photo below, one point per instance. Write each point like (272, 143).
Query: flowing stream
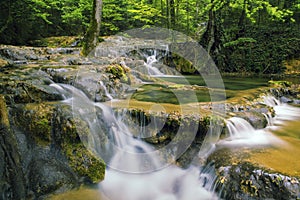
(135, 171)
(135, 164)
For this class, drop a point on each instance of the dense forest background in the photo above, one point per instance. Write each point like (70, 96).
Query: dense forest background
(241, 35)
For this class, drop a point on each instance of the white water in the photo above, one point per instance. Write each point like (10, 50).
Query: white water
(269, 119)
(150, 60)
(284, 112)
(241, 132)
(136, 171)
(107, 94)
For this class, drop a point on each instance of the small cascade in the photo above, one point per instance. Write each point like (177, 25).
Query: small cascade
(269, 119)
(242, 133)
(107, 94)
(208, 177)
(283, 111)
(271, 101)
(134, 166)
(150, 60)
(239, 128)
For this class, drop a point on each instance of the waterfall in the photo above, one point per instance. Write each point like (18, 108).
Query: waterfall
(283, 111)
(242, 133)
(269, 118)
(150, 60)
(135, 169)
(107, 94)
(239, 128)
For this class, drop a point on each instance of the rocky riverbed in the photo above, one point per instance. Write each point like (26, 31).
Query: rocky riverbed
(41, 148)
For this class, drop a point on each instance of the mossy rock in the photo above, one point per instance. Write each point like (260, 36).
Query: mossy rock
(180, 64)
(85, 163)
(280, 83)
(239, 178)
(3, 113)
(59, 41)
(70, 134)
(3, 63)
(36, 120)
(118, 72)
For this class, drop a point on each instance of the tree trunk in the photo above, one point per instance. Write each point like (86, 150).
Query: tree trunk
(91, 36)
(172, 13)
(168, 13)
(212, 37)
(241, 23)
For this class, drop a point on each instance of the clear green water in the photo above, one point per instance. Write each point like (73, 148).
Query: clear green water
(233, 87)
(161, 93)
(231, 83)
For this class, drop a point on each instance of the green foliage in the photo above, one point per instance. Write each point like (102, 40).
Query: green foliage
(249, 35)
(240, 42)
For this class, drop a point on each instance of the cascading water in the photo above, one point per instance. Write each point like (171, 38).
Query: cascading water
(107, 94)
(241, 132)
(150, 60)
(153, 180)
(269, 119)
(283, 111)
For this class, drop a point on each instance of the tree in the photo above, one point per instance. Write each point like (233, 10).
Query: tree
(234, 40)
(92, 34)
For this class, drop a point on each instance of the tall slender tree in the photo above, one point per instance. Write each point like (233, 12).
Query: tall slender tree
(92, 34)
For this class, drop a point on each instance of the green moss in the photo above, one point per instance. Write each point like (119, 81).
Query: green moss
(280, 83)
(60, 41)
(118, 72)
(3, 113)
(85, 163)
(36, 120)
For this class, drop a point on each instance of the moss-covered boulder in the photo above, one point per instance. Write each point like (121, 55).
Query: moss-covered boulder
(118, 71)
(180, 64)
(52, 152)
(36, 120)
(71, 135)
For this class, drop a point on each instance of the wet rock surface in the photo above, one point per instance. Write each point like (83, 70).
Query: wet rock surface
(239, 179)
(50, 156)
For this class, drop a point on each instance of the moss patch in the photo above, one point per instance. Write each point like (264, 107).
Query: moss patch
(85, 163)
(3, 63)
(118, 72)
(3, 113)
(60, 41)
(36, 119)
